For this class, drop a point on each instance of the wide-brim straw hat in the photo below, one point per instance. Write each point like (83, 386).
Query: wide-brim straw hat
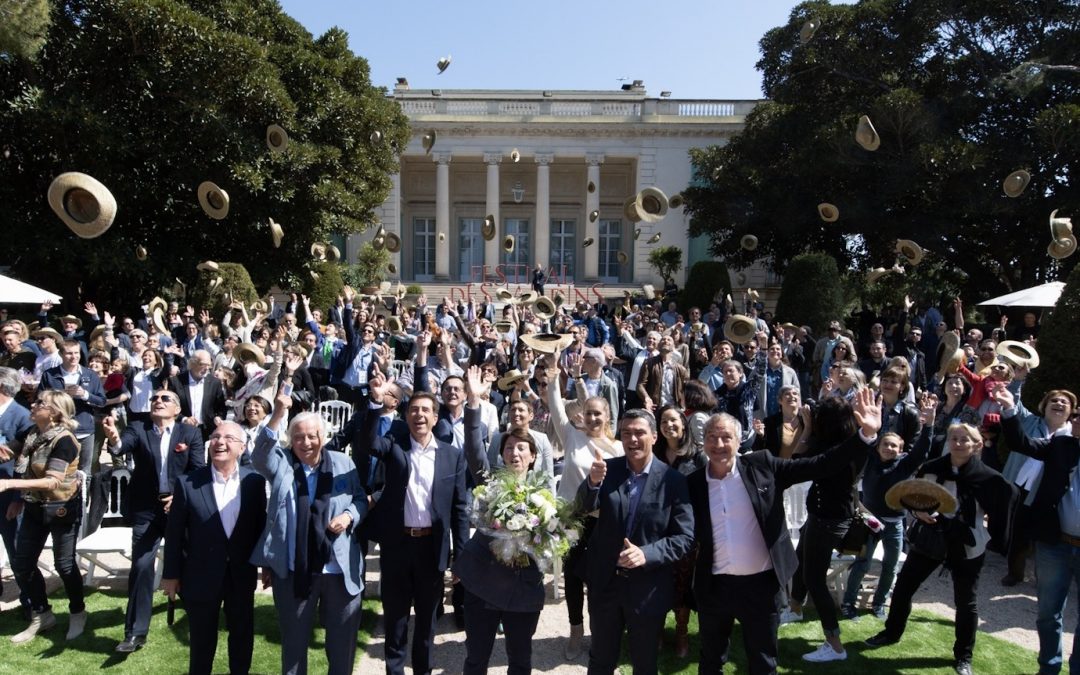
(428, 140)
(503, 326)
(587, 242)
(276, 138)
(919, 494)
(873, 275)
(866, 135)
(828, 212)
(1015, 183)
(392, 242)
(246, 352)
(1060, 228)
(83, 203)
(505, 295)
(318, 250)
(740, 329)
(649, 291)
(630, 210)
(748, 242)
(806, 33)
(213, 200)
(48, 332)
(508, 243)
(910, 250)
(651, 204)
(547, 343)
(622, 257)
(71, 318)
(208, 266)
(655, 239)
(488, 229)
(1059, 249)
(528, 297)
(277, 233)
(511, 377)
(1019, 354)
(949, 354)
(544, 308)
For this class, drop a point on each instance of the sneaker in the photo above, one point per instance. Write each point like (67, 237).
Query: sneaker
(824, 653)
(878, 611)
(788, 616)
(882, 639)
(963, 668)
(848, 612)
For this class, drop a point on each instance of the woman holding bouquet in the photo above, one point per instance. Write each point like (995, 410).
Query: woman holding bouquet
(505, 586)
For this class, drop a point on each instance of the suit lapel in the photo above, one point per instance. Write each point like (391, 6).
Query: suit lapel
(152, 446)
(653, 481)
(206, 493)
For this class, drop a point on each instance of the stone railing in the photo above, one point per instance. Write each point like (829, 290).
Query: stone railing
(527, 107)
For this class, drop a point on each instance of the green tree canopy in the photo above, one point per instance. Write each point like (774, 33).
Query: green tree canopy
(153, 97)
(22, 27)
(937, 78)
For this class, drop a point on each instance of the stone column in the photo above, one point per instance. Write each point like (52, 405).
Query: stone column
(442, 215)
(492, 248)
(392, 213)
(542, 236)
(591, 268)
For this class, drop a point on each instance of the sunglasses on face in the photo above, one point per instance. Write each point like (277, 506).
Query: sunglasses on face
(163, 397)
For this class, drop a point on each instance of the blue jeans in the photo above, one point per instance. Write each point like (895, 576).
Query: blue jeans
(892, 537)
(1056, 566)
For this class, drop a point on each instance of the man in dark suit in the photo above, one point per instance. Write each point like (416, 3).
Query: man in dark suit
(745, 557)
(645, 525)
(14, 425)
(217, 515)
(422, 507)
(202, 398)
(163, 450)
(84, 387)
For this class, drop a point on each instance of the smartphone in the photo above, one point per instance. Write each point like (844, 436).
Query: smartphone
(287, 389)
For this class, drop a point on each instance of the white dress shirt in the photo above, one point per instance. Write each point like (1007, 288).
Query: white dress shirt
(165, 434)
(195, 392)
(738, 544)
(141, 389)
(227, 496)
(421, 480)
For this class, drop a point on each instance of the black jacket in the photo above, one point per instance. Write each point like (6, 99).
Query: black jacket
(1060, 454)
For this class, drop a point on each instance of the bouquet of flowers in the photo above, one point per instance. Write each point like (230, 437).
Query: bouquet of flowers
(524, 519)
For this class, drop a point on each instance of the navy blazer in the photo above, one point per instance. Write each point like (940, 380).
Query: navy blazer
(14, 425)
(765, 477)
(53, 378)
(449, 498)
(142, 493)
(664, 530)
(1060, 454)
(213, 400)
(196, 549)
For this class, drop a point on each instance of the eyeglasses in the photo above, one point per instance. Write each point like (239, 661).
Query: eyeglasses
(369, 330)
(164, 397)
(228, 438)
(42, 338)
(39, 404)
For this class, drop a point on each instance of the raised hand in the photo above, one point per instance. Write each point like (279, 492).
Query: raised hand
(928, 409)
(90, 308)
(378, 385)
(474, 383)
(1001, 394)
(867, 411)
(108, 319)
(598, 470)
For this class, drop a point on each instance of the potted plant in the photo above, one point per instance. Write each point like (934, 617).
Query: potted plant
(666, 260)
(370, 269)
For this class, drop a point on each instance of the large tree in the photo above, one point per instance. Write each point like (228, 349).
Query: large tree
(152, 97)
(961, 92)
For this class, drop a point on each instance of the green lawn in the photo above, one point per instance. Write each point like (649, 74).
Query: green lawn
(166, 650)
(925, 649)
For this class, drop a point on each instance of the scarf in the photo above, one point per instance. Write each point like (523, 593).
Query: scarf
(313, 544)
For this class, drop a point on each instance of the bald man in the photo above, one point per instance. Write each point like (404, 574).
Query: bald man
(217, 515)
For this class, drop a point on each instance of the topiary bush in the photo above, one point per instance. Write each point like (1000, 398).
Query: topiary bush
(235, 285)
(706, 278)
(1059, 360)
(666, 260)
(812, 293)
(323, 292)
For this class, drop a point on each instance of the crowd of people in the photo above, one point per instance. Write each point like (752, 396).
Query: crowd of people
(675, 432)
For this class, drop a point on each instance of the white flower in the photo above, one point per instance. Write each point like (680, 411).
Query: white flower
(516, 522)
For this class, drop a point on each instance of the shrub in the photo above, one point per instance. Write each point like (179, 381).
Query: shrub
(666, 260)
(706, 279)
(812, 293)
(414, 289)
(323, 292)
(1059, 361)
(235, 285)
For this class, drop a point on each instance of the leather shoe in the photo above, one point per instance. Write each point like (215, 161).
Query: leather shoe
(131, 644)
(1009, 580)
(882, 639)
(963, 668)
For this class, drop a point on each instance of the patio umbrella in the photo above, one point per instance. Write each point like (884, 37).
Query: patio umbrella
(1045, 295)
(13, 291)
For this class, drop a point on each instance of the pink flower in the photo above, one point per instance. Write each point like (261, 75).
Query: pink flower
(181, 447)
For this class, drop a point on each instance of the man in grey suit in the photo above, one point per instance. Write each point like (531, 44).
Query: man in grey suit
(645, 525)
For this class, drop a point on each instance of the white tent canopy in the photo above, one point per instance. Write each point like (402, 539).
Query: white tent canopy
(13, 291)
(1045, 295)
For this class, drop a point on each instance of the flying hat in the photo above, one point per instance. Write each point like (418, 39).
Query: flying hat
(748, 242)
(547, 343)
(910, 250)
(428, 141)
(1019, 354)
(512, 377)
(314, 275)
(213, 200)
(651, 204)
(391, 268)
(140, 252)
(215, 282)
(157, 303)
(207, 266)
(655, 238)
(1059, 249)
(622, 257)
(1015, 183)
(593, 215)
(392, 242)
(649, 291)
(806, 33)
(873, 275)
(637, 233)
(866, 135)
(591, 187)
(375, 137)
(443, 63)
(828, 212)
(318, 250)
(544, 308)
(333, 253)
(84, 204)
(505, 295)
(920, 494)
(630, 211)
(587, 242)
(487, 230)
(515, 156)
(676, 200)
(277, 233)
(276, 138)
(508, 243)
(379, 240)
(1060, 228)
(260, 306)
(740, 329)
(246, 352)
(949, 354)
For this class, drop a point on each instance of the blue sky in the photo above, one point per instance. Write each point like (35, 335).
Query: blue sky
(695, 49)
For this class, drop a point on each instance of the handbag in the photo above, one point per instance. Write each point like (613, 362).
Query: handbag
(928, 540)
(61, 513)
(854, 541)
